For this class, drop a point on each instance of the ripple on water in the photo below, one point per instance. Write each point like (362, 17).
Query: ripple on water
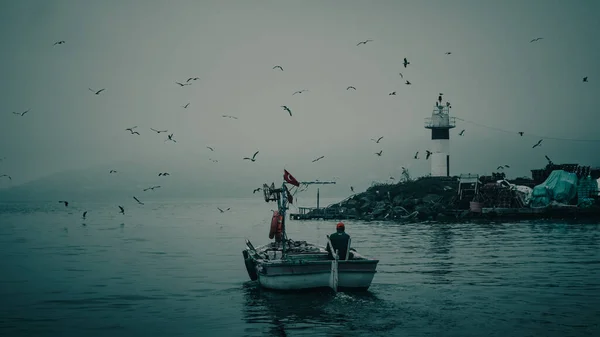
(148, 278)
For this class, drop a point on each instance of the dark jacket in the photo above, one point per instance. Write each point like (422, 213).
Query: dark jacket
(339, 241)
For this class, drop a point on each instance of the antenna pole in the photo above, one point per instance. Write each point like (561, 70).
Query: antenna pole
(317, 198)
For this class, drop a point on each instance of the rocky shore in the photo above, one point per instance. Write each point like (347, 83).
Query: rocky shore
(425, 198)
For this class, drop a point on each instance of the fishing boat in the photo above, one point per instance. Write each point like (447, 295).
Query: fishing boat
(286, 264)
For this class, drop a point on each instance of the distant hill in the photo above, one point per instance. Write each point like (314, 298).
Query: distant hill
(194, 180)
(97, 184)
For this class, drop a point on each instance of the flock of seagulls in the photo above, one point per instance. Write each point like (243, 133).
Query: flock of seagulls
(190, 80)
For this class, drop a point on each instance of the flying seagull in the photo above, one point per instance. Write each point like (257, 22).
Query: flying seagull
(352, 188)
(59, 42)
(363, 42)
(405, 62)
(256, 190)
(392, 93)
(112, 171)
(227, 116)
(321, 157)
(122, 210)
(222, 211)
(138, 200)
(151, 188)
(548, 158)
(350, 87)
(185, 106)
(210, 148)
(183, 84)
(192, 79)
(158, 131)
(287, 109)
(536, 39)
(131, 130)
(500, 167)
(253, 157)
(21, 113)
(84, 213)
(521, 133)
(448, 52)
(379, 153)
(427, 154)
(299, 91)
(401, 75)
(275, 67)
(462, 133)
(97, 92)
(64, 202)
(163, 174)
(539, 143)
(408, 83)
(417, 155)
(6, 175)
(170, 137)
(378, 139)
(585, 79)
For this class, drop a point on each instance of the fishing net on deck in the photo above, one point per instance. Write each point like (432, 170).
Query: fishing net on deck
(295, 246)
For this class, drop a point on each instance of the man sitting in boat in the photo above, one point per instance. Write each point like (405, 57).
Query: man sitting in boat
(340, 241)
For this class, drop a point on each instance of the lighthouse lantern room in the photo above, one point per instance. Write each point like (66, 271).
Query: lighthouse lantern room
(440, 124)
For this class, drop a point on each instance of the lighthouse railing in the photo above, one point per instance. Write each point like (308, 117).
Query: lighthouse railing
(440, 122)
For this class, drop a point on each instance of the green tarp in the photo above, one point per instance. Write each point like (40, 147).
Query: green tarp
(560, 186)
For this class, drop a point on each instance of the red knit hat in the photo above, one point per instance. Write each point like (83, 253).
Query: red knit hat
(340, 225)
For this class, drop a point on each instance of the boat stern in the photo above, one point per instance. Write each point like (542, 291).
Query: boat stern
(250, 263)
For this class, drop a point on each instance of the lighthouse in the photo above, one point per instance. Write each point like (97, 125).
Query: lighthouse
(440, 124)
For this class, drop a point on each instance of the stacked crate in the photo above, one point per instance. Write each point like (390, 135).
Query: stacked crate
(505, 198)
(587, 188)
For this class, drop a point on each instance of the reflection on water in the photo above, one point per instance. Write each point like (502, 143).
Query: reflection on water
(439, 252)
(286, 311)
(310, 313)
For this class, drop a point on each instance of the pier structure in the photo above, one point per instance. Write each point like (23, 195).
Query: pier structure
(307, 213)
(440, 124)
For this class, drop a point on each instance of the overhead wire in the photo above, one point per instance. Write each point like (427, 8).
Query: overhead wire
(526, 133)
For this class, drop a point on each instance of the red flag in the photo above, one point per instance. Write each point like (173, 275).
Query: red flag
(290, 179)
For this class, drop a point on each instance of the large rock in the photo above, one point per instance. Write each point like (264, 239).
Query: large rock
(431, 198)
(427, 195)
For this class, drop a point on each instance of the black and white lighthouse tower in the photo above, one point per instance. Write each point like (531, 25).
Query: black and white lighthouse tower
(440, 124)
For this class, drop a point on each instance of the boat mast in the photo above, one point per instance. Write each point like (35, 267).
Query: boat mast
(282, 205)
(282, 201)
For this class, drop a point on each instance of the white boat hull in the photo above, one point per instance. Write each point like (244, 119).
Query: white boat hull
(349, 281)
(307, 266)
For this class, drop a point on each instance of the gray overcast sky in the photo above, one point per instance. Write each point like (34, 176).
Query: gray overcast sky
(138, 49)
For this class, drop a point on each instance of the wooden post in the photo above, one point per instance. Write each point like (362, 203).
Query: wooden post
(317, 198)
(333, 278)
(348, 249)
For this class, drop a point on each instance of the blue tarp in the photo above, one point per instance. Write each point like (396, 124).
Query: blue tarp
(560, 186)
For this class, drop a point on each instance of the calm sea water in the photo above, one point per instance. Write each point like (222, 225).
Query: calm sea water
(176, 269)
